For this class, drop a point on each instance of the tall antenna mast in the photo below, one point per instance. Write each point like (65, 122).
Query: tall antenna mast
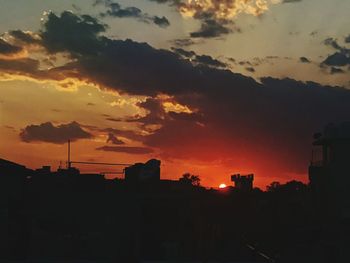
(69, 162)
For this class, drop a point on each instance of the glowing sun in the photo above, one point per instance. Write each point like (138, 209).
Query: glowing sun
(222, 186)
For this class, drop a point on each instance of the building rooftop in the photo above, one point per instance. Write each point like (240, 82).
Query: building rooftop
(333, 132)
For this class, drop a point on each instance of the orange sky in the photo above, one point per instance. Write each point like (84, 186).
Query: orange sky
(213, 97)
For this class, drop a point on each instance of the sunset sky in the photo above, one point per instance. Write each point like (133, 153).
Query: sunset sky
(210, 87)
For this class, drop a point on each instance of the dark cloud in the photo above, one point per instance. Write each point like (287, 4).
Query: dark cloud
(335, 70)
(127, 64)
(25, 66)
(73, 33)
(10, 127)
(7, 48)
(184, 53)
(129, 134)
(314, 33)
(337, 59)
(242, 63)
(250, 69)
(201, 59)
(114, 139)
(332, 43)
(117, 11)
(294, 33)
(31, 68)
(47, 132)
(126, 149)
(155, 112)
(256, 61)
(24, 37)
(161, 21)
(340, 58)
(211, 28)
(209, 61)
(347, 39)
(183, 42)
(304, 60)
(114, 119)
(114, 9)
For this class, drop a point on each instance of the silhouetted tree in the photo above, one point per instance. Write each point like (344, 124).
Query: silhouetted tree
(294, 186)
(290, 187)
(190, 179)
(273, 186)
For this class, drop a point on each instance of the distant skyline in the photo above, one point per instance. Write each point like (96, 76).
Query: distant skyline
(210, 87)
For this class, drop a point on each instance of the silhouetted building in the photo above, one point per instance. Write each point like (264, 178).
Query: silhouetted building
(143, 172)
(70, 171)
(243, 182)
(45, 170)
(329, 171)
(7, 167)
(13, 178)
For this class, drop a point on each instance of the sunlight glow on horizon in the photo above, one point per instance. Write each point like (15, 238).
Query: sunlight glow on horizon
(222, 186)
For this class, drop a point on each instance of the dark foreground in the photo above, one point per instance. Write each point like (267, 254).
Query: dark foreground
(85, 218)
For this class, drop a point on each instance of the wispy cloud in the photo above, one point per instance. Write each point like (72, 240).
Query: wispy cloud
(114, 9)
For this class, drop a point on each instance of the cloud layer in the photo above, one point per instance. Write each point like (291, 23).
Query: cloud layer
(231, 118)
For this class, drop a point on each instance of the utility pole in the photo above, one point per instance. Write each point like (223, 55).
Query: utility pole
(69, 162)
